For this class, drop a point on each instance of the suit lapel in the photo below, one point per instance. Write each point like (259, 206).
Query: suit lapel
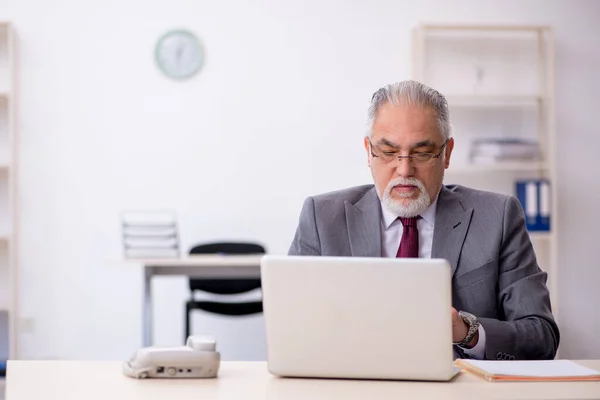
(363, 220)
(451, 226)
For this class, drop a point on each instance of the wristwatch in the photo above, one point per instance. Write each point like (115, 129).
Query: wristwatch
(473, 325)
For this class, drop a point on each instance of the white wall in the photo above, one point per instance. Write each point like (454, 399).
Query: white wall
(276, 115)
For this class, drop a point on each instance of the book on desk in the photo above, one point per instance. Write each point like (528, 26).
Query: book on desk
(528, 371)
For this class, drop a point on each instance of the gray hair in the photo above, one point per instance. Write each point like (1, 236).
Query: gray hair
(412, 93)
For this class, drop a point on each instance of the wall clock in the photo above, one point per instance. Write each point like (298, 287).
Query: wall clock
(179, 54)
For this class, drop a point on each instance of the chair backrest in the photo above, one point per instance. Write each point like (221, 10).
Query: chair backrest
(228, 248)
(226, 286)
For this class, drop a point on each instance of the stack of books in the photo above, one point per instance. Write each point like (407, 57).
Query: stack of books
(150, 234)
(489, 151)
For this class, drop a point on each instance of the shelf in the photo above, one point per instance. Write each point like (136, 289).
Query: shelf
(540, 235)
(499, 167)
(498, 101)
(465, 27)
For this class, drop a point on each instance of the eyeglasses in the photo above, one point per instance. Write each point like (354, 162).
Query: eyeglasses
(418, 159)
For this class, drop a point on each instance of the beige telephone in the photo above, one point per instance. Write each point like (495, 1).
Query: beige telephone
(197, 359)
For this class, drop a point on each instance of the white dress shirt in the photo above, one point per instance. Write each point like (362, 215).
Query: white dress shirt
(392, 234)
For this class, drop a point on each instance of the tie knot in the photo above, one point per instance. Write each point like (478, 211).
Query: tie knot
(412, 221)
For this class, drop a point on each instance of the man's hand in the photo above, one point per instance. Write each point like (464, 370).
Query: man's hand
(460, 330)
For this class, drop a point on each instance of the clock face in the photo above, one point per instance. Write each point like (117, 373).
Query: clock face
(179, 54)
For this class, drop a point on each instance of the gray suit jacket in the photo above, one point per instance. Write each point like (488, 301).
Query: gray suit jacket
(495, 274)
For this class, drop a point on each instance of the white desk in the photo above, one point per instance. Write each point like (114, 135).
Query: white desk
(201, 266)
(65, 380)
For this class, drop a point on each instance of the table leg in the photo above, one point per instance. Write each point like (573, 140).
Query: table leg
(147, 308)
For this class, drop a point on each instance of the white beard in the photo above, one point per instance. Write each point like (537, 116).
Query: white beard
(412, 208)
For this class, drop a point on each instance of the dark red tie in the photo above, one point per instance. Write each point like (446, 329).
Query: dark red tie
(409, 244)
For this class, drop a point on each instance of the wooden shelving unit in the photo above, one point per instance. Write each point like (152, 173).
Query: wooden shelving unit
(8, 198)
(499, 83)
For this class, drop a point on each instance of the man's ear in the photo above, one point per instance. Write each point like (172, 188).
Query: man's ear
(368, 150)
(448, 150)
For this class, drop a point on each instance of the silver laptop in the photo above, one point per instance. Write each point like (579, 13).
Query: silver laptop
(358, 318)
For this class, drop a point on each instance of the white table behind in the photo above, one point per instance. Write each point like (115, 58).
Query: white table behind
(202, 266)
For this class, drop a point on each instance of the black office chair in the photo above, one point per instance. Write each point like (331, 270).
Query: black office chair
(223, 286)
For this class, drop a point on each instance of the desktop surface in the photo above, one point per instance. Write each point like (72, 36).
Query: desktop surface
(91, 380)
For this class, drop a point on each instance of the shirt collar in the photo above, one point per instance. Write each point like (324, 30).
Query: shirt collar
(428, 215)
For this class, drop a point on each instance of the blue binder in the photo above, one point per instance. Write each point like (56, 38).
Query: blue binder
(535, 196)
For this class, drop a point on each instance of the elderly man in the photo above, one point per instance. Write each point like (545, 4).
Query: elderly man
(497, 286)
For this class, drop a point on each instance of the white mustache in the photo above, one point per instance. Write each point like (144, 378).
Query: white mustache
(405, 181)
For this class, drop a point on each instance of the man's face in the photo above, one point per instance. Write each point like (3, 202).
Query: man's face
(407, 187)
